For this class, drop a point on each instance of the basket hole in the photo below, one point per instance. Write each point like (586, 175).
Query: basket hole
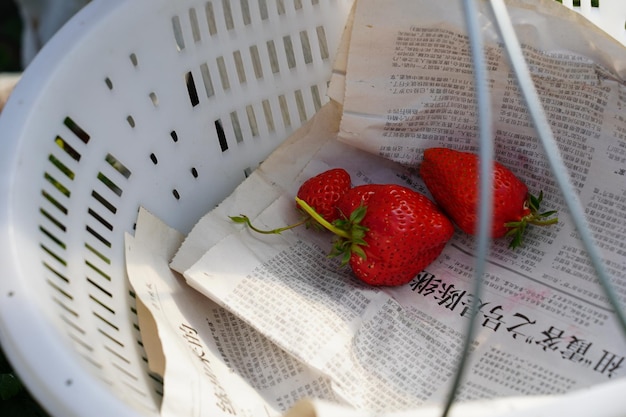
(100, 219)
(284, 110)
(99, 254)
(306, 47)
(221, 136)
(61, 143)
(99, 198)
(118, 166)
(228, 15)
(52, 219)
(176, 194)
(54, 202)
(154, 99)
(52, 237)
(133, 59)
(247, 172)
(221, 66)
(300, 105)
(194, 172)
(256, 62)
(210, 18)
(56, 184)
(108, 83)
(76, 129)
(280, 7)
(61, 167)
(58, 275)
(174, 136)
(245, 12)
(178, 33)
(254, 127)
(110, 184)
(271, 52)
(206, 79)
(191, 89)
(154, 159)
(322, 42)
(131, 121)
(195, 29)
(269, 118)
(234, 120)
(98, 236)
(53, 255)
(241, 73)
(317, 99)
(263, 9)
(288, 46)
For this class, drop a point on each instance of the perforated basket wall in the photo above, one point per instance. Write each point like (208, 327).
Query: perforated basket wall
(166, 104)
(161, 103)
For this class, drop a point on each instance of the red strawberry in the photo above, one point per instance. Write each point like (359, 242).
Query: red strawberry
(452, 178)
(390, 234)
(324, 190)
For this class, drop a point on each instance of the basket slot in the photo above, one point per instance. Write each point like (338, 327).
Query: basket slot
(58, 276)
(269, 118)
(223, 73)
(76, 129)
(52, 220)
(234, 120)
(195, 28)
(255, 59)
(289, 54)
(54, 202)
(133, 59)
(322, 42)
(273, 56)
(98, 236)
(110, 184)
(118, 166)
(206, 79)
(254, 128)
(52, 237)
(210, 17)
(105, 203)
(191, 89)
(221, 135)
(98, 254)
(73, 153)
(178, 33)
(57, 185)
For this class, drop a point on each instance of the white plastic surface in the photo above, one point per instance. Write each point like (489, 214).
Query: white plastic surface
(107, 119)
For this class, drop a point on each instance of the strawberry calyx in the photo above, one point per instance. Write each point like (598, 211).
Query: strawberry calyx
(349, 231)
(531, 216)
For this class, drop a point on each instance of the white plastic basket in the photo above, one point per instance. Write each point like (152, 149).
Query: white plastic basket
(160, 103)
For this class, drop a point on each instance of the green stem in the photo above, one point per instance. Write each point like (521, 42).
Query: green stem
(544, 222)
(244, 219)
(311, 212)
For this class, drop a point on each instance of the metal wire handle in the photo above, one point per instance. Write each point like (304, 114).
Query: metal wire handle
(559, 170)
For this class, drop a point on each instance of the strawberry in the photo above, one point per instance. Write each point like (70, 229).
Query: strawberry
(452, 178)
(321, 192)
(388, 232)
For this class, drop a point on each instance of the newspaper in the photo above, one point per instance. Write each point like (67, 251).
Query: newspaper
(545, 327)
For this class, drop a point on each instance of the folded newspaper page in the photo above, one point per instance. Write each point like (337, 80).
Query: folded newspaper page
(211, 362)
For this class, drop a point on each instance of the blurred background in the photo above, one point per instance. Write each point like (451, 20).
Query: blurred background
(25, 26)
